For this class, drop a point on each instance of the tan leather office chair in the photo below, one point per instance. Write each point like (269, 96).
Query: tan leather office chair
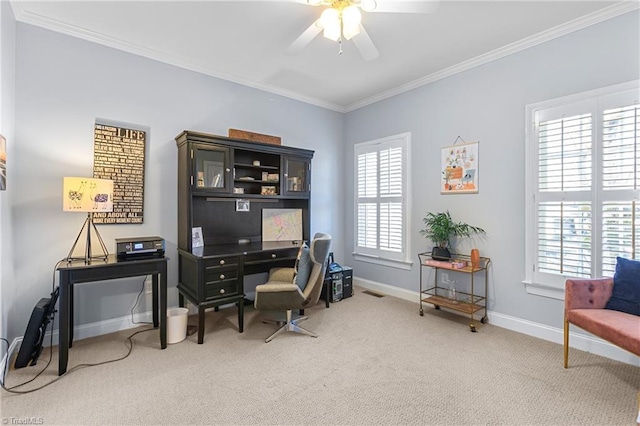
(281, 293)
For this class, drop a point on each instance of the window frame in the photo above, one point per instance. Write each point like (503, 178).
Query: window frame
(594, 101)
(378, 256)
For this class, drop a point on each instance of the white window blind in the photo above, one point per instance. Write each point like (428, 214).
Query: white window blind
(584, 176)
(620, 184)
(381, 198)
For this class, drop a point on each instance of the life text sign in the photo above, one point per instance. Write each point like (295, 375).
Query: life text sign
(118, 154)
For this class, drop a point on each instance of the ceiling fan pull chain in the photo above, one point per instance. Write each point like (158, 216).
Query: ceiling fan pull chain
(340, 46)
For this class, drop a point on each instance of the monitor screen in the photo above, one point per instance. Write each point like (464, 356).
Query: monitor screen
(281, 224)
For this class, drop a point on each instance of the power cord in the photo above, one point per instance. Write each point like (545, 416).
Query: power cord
(12, 389)
(136, 304)
(6, 365)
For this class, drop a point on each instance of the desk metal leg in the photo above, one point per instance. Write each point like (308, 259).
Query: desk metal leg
(155, 293)
(63, 321)
(163, 303)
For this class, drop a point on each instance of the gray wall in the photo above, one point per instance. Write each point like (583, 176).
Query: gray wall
(487, 104)
(7, 108)
(63, 85)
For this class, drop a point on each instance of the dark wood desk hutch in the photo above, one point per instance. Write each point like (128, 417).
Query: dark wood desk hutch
(213, 173)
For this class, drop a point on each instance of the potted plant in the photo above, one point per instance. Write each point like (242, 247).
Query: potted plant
(440, 229)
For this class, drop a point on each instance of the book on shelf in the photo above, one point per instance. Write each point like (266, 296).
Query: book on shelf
(449, 264)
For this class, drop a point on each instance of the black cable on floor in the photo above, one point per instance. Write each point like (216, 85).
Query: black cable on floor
(12, 389)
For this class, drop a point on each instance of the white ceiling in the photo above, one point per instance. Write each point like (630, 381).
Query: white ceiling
(244, 41)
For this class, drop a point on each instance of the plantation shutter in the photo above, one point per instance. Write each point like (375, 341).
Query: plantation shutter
(565, 180)
(367, 194)
(583, 186)
(380, 198)
(391, 199)
(620, 183)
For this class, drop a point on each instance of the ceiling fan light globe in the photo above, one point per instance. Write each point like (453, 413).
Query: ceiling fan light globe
(351, 18)
(332, 32)
(330, 17)
(350, 32)
(367, 5)
(314, 2)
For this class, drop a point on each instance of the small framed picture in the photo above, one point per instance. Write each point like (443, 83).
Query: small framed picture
(243, 205)
(196, 237)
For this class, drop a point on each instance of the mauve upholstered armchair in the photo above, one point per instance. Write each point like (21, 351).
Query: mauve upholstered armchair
(584, 307)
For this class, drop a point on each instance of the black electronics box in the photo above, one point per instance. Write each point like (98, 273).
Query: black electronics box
(139, 248)
(347, 282)
(338, 282)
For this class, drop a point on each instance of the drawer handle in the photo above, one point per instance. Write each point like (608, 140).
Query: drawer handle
(222, 262)
(222, 291)
(273, 256)
(222, 276)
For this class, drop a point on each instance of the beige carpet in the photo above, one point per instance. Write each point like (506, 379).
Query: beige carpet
(376, 362)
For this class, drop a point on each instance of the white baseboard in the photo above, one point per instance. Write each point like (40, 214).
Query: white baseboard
(388, 290)
(99, 328)
(583, 342)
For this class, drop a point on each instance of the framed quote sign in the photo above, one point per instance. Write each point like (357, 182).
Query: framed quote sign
(119, 154)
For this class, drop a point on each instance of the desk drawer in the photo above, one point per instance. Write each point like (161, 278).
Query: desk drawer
(212, 275)
(220, 262)
(271, 255)
(220, 289)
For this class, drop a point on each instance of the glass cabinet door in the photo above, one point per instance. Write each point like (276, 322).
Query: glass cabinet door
(211, 167)
(296, 175)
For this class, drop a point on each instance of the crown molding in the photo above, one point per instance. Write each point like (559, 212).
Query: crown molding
(534, 40)
(610, 12)
(47, 23)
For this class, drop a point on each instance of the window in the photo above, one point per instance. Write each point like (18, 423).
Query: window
(381, 188)
(583, 181)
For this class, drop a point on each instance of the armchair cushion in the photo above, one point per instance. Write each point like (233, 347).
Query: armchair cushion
(302, 268)
(625, 296)
(283, 275)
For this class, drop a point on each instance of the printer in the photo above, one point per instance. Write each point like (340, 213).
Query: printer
(139, 248)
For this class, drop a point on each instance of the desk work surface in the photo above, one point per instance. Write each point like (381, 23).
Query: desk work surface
(254, 247)
(111, 261)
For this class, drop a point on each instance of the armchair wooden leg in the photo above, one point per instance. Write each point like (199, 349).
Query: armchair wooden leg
(566, 344)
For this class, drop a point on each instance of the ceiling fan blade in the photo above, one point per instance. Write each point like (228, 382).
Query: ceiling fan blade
(304, 39)
(365, 46)
(407, 6)
(261, 1)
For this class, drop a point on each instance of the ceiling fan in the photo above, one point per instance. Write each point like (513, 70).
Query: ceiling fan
(341, 19)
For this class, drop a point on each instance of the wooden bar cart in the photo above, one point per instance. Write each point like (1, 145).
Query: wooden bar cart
(466, 302)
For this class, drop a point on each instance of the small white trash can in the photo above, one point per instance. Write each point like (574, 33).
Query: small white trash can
(176, 324)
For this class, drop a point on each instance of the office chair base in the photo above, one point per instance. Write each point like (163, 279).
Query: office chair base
(280, 320)
(291, 325)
